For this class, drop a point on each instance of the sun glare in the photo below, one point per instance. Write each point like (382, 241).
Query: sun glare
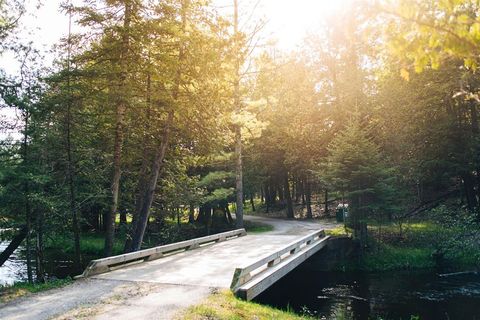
(290, 20)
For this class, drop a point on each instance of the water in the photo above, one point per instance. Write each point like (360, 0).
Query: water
(14, 269)
(387, 295)
(57, 265)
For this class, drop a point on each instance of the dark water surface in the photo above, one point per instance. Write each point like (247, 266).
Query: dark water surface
(386, 295)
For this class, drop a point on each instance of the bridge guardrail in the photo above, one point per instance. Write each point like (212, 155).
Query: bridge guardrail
(254, 272)
(106, 264)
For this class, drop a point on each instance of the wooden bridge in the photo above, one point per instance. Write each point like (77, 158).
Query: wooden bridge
(247, 264)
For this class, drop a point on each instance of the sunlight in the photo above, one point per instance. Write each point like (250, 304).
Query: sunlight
(290, 21)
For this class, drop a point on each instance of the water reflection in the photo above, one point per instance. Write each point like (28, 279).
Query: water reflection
(390, 295)
(57, 264)
(14, 269)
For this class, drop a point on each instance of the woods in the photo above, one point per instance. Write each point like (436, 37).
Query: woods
(168, 119)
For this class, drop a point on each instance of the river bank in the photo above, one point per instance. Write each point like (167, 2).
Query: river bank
(417, 245)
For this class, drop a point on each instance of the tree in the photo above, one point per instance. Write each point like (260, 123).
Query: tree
(427, 33)
(356, 168)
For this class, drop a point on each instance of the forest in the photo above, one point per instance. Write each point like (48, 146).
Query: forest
(161, 121)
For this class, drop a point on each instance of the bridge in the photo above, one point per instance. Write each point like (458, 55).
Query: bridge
(247, 264)
(171, 277)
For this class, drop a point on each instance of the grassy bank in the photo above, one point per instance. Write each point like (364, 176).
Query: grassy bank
(10, 292)
(420, 244)
(224, 306)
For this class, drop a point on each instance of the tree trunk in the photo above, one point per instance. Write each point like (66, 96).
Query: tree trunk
(326, 211)
(304, 201)
(201, 217)
(40, 273)
(123, 217)
(177, 211)
(288, 196)
(273, 193)
(238, 128)
(118, 144)
(229, 214)
(297, 190)
(70, 164)
(147, 199)
(308, 199)
(26, 195)
(239, 178)
(281, 193)
(13, 245)
(252, 203)
(267, 197)
(144, 167)
(191, 214)
(468, 185)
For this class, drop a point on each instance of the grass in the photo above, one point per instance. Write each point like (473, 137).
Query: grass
(11, 292)
(390, 257)
(225, 306)
(257, 227)
(90, 243)
(338, 231)
(414, 248)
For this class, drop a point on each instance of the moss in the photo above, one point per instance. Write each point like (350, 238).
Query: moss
(11, 292)
(224, 306)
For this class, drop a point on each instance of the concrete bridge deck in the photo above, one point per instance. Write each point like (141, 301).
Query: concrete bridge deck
(187, 276)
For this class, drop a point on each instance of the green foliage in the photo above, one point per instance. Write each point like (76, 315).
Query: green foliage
(427, 33)
(357, 168)
(418, 243)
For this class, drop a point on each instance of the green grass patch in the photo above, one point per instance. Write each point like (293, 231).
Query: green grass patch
(11, 292)
(90, 244)
(257, 227)
(417, 245)
(338, 231)
(225, 306)
(388, 257)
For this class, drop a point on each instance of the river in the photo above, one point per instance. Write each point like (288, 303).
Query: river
(14, 269)
(387, 295)
(56, 265)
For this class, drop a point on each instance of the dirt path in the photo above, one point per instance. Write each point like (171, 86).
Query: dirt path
(160, 288)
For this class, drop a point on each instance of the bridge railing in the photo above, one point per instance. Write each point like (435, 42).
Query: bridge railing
(107, 264)
(257, 271)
